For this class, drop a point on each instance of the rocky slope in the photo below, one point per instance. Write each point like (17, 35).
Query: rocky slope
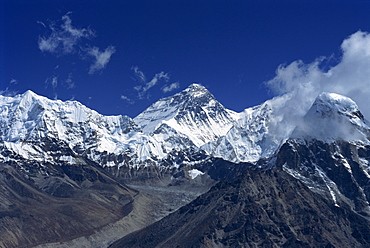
(65, 202)
(262, 209)
(329, 152)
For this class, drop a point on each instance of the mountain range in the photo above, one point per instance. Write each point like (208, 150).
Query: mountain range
(186, 172)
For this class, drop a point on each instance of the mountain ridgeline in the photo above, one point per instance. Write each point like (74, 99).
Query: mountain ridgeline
(186, 172)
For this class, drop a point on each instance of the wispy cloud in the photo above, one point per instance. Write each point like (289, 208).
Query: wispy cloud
(13, 81)
(170, 87)
(298, 84)
(41, 23)
(159, 76)
(8, 91)
(155, 80)
(70, 83)
(101, 58)
(139, 75)
(63, 38)
(51, 81)
(145, 85)
(129, 100)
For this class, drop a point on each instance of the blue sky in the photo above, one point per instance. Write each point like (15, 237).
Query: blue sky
(118, 57)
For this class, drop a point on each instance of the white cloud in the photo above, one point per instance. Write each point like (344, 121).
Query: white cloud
(155, 80)
(64, 38)
(8, 92)
(13, 81)
(171, 87)
(130, 101)
(140, 76)
(69, 81)
(53, 81)
(146, 86)
(125, 98)
(301, 83)
(41, 23)
(101, 58)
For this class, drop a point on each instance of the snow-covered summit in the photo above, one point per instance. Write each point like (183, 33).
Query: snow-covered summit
(328, 104)
(332, 117)
(30, 115)
(194, 112)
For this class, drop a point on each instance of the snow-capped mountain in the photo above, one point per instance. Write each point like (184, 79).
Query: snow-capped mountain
(333, 117)
(184, 121)
(193, 113)
(329, 152)
(190, 120)
(64, 149)
(248, 139)
(27, 120)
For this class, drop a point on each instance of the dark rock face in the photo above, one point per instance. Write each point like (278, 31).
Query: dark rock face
(261, 209)
(165, 174)
(337, 170)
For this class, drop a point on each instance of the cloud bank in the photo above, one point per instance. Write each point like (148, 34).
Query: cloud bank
(298, 84)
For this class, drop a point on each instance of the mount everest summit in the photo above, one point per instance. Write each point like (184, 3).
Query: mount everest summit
(183, 144)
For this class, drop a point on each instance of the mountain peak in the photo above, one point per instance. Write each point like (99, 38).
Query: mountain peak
(196, 87)
(192, 97)
(29, 99)
(194, 112)
(195, 92)
(333, 117)
(29, 93)
(328, 104)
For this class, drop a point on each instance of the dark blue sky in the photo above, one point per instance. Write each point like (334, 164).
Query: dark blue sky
(118, 57)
